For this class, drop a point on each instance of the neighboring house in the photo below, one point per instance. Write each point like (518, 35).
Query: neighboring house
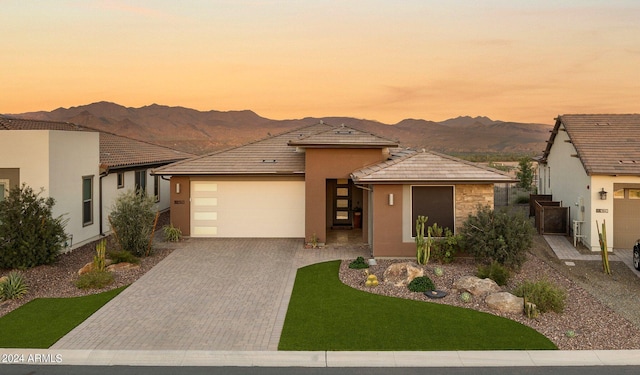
(309, 181)
(587, 155)
(83, 169)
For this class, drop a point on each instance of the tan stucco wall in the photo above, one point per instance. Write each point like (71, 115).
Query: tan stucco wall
(323, 164)
(180, 206)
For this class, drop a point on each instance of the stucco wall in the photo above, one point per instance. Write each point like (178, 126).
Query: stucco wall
(27, 150)
(323, 164)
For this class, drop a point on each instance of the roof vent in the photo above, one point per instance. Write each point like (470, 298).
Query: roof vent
(627, 161)
(270, 161)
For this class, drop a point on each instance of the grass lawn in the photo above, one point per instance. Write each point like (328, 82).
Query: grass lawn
(325, 314)
(43, 321)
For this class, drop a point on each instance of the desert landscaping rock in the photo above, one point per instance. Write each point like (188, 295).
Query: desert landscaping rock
(476, 286)
(505, 302)
(124, 266)
(401, 274)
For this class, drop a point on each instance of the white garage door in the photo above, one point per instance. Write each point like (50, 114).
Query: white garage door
(247, 209)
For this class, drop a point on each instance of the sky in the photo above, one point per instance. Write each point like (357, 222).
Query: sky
(384, 60)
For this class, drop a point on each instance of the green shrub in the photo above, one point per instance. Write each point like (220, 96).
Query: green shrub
(122, 256)
(171, 233)
(544, 294)
(359, 263)
(29, 235)
(522, 199)
(13, 287)
(421, 284)
(132, 220)
(495, 271)
(94, 280)
(498, 236)
(444, 249)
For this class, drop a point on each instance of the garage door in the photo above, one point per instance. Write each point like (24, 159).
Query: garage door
(247, 209)
(626, 217)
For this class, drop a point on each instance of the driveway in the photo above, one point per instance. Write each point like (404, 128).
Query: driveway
(208, 294)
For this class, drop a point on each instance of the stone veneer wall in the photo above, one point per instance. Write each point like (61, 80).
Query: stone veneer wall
(468, 197)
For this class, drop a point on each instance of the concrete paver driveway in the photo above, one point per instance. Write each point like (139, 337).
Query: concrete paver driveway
(208, 294)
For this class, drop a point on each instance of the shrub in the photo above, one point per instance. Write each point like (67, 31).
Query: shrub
(498, 236)
(359, 263)
(94, 280)
(132, 220)
(13, 287)
(123, 256)
(522, 199)
(544, 294)
(444, 249)
(29, 235)
(495, 271)
(171, 233)
(421, 284)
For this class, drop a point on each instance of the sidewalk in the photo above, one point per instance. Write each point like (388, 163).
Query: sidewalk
(540, 358)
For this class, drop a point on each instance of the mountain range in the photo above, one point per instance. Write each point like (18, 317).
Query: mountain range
(201, 132)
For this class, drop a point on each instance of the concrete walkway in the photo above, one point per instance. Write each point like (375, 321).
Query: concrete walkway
(208, 294)
(564, 250)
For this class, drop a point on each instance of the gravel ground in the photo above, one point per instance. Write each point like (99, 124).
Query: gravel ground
(57, 280)
(602, 322)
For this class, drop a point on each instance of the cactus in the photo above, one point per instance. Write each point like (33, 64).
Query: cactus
(423, 245)
(99, 258)
(438, 271)
(465, 297)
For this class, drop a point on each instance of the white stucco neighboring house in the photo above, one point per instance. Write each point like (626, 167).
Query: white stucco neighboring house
(592, 165)
(83, 169)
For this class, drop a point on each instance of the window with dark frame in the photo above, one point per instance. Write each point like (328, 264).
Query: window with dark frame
(141, 181)
(120, 180)
(435, 202)
(87, 200)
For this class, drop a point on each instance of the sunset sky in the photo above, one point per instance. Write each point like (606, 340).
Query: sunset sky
(384, 60)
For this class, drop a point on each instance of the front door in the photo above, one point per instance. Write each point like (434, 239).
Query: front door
(342, 203)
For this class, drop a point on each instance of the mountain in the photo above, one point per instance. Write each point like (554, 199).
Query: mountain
(206, 131)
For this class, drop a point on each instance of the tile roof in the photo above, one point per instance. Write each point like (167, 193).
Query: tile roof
(115, 151)
(271, 155)
(607, 144)
(428, 167)
(343, 136)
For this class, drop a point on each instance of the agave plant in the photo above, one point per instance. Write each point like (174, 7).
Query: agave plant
(14, 287)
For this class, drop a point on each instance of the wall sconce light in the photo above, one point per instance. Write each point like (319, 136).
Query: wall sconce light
(178, 188)
(603, 194)
(390, 199)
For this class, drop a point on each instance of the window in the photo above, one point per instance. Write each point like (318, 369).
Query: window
(4, 189)
(618, 194)
(435, 202)
(156, 188)
(634, 193)
(87, 200)
(141, 180)
(120, 180)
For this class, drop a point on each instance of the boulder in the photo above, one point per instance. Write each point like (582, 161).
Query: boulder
(124, 266)
(476, 286)
(505, 302)
(401, 274)
(86, 269)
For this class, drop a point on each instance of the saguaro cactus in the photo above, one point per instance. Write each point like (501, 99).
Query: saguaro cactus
(423, 245)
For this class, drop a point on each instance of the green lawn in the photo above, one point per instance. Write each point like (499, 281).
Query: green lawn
(325, 314)
(43, 321)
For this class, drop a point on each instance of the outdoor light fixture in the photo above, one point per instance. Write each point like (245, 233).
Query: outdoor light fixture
(603, 194)
(178, 188)
(390, 199)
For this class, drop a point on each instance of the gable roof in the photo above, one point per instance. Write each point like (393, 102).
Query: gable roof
(428, 167)
(271, 155)
(343, 136)
(115, 151)
(606, 144)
